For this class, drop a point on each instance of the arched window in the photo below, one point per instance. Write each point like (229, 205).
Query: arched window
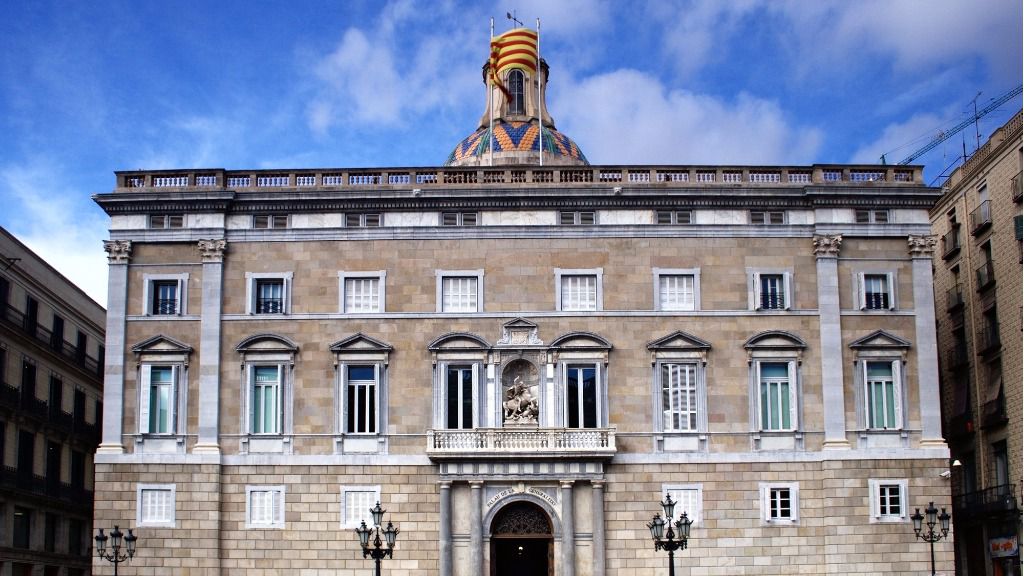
(517, 89)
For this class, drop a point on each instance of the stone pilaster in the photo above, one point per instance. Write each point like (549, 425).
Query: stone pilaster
(568, 530)
(921, 249)
(212, 253)
(597, 515)
(118, 254)
(445, 530)
(476, 529)
(826, 253)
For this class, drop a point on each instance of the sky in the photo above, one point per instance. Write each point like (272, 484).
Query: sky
(87, 88)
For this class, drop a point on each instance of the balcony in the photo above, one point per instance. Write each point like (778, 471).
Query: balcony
(954, 298)
(951, 243)
(1015, 187)
(981, 217)
(986, 504)
(548, 443)
(988, 337)
(957, 356)
(16, 320)
(986, 275)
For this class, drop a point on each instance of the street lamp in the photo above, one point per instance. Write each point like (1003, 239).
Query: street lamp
(669, 539)
(115, 555)
(378, 552)
(931, 536)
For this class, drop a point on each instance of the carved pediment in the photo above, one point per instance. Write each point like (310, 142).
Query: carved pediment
(161, 344)
(679, 340)
(775, 340)
(360, 342)
(581, 341)
(266, 343)
(458, 341)
(880, 339)
(519, 332)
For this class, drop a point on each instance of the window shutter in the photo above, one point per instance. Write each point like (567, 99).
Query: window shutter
(175, 375)
(755, 291)
(343, 406)
(250, 378)
(787, 290)
(891, 285)
(863, 285)
(144, 392)
(279, 399)
(277, 515)
(897, 392)
(250, 290)
(182, 286)
(377, 411)
(475, 395)
(793, 397)
(599, 394)
(863, 407)
(286, 295)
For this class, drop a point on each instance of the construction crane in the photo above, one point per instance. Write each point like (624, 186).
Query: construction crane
(950, 132)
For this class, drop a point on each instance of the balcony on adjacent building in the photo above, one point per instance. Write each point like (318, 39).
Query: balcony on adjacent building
(981, 217)
(951, 243)
(986, 504)
(1015, 186)
(986, 275)
(954, 298)
(988, 337)
(549, 443)
(957, 356)
(17, 320)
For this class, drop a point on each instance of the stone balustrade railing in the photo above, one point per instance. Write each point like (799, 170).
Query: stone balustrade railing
(538, 442)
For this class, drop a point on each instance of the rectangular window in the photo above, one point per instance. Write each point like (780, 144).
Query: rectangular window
(265, 221)
(362, 294)
(22, 527)
(1001, 463)
(264, 506)
(270, 296)
(166, 221)
(577, 218)
(157, 406)
(361, 399)
(581, 396)
(780, 502)
(265, 411)
(877, 292)
(155, 505)
(459, 393)
(771, 293)
(459, 294)
(872, 216)
(673, 216)
(767, 217)
(679, 396)
(578, 292)
(882, 396)
(888, 499)
(353, 220)
(164, 294)
(459, 218)
(356, 502)
(50, 532)
(165, 298)
(75, 532)
(689, 499)
(777, 402)
(676, 292)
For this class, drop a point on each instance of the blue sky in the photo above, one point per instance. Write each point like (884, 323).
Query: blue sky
(87, 88)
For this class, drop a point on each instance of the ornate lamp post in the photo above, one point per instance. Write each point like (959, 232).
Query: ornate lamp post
(931, 536)
(378, 552)
(115, 555)
(670, 539)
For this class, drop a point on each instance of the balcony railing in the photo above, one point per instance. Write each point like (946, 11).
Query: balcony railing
(17, 320)
(981, 217)
(531, 442)
(957, 355)
(988, 337)
(1015, 186)
(986, 503)
(986, 275)
(954, 298)
(951, 243)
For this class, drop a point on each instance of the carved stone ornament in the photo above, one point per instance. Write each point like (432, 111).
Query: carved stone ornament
(923, 245)
(118, 251)
(827, 245)
(519, 394)
(519, 333)
(213, 250)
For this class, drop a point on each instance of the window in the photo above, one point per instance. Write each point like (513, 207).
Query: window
(164, 294)
(155, 505)
(877, 292)
(770, 290)
(356, 502)
(264, 221)
(361, 393)
(871, 216)
(679, 396)
(157, 403)
(362, 292)
(51, 523)
(676, 289)
(269, 293)
(459, 290)
(265, 399)
(458, 218)
(75, 533)
(517, 92)
(582, 397)
(780, 503)
(353, 220)
(1000, 463)
(578, 290)
(888, 498)
(166, 221)
(264, 507)
(689, 498)
(777, 399)
(459, 393)
(767, 217)
(577, 218)
(882, 395)
(22, 527)
(361, 399)
(673, 216)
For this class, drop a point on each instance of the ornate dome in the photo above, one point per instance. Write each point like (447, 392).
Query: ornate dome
(512, 139)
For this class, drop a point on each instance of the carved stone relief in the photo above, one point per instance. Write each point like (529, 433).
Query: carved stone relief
(519, 393)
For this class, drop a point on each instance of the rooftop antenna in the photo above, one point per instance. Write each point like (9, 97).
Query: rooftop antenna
(512, 16)
(977, 134)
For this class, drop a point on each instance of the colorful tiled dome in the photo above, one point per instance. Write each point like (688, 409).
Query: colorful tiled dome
(515, 137)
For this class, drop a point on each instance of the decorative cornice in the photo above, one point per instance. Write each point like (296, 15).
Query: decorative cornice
(922, 246)
(212, 250)
(118, 251)
(827, 245)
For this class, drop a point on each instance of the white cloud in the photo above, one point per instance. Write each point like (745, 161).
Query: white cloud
(695, 32)
(627, 116)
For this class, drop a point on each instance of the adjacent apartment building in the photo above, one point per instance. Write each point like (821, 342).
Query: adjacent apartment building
(978, 289)
(519, 354)
(51, 368)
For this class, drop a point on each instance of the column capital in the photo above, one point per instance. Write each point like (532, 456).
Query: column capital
(597, 483)
(212, 250)
(444, 483)
(118, 251)
(827, 245)
(921, 246)
(566, 483)
(476, 484)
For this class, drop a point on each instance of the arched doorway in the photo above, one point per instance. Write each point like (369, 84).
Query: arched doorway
(521, 542)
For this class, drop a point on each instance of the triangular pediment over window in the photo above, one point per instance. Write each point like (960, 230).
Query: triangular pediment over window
(161, 344)
(458, 341)
(775, 340)
(360, 342)
(880, 339)
(679, 340)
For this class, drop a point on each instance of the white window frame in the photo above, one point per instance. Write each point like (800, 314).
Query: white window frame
(699, 408)
(792, 380)
(148, 286)
(766, 489)
(344, 520)
(145, 402)
(442, 275)
(862, 289)
(251, 294)
(899, 391)
(278, 519)
(140, 516)
(874, 495)
(597, 273)
(601, 400)
(250, 383)
(343, 278)
(378, 370)
(677, 490)
(475, 417)
(754, 281)
(660, 273)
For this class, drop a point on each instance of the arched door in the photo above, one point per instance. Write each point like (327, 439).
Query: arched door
(521, 542)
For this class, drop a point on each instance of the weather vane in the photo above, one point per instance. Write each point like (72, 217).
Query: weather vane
(512, 16)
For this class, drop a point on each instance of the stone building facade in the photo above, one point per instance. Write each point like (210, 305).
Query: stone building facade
(978, 292)
(51, 350)
(519, 354)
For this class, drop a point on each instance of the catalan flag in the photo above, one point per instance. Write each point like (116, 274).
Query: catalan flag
(516, 48)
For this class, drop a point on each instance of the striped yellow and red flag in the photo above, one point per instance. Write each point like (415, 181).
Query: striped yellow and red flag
(516, 48)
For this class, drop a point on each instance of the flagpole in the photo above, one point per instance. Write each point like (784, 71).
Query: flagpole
(490, 101)
(540, 113)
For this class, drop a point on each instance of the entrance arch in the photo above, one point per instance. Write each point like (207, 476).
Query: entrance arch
(522, 543)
